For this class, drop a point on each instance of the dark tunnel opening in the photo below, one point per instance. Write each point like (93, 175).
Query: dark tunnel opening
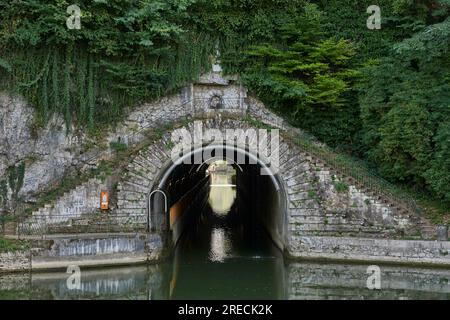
(219, 213)
(224, 205)
(218, 188)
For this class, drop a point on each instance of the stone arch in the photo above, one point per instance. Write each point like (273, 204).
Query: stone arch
(147, 171)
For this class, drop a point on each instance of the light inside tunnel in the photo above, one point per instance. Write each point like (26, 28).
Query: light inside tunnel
(222, 194)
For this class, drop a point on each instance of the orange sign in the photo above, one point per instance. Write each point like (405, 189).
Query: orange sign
(104, 200)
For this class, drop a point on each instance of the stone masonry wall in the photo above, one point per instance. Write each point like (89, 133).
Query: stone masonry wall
(314, 205)
(371, 250)
(326, 210)
(14, 261)
(87, 250)
(82, 200)
(314, 281)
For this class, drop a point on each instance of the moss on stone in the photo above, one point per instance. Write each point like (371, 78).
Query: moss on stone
(7, 245)
(341, 187)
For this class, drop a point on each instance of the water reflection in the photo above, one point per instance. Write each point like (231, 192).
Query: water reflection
(220, 245)
(236, 279)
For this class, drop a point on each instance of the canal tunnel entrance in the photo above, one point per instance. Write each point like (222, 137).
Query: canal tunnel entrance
(227, 194)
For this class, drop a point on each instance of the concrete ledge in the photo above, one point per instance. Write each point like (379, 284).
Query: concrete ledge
(89, 250)
(408, 252)
(313, 281)
(99, 261)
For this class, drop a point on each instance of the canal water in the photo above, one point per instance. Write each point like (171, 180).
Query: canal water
(223, 256)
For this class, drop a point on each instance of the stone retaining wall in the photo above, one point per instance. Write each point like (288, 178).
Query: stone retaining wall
(371, 250)
(14, 261)
(82, 200)
(314, 281)
(97, 250)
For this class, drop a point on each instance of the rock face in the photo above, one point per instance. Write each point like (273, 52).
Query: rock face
(52, 152)
(15, 136)
(46, 157)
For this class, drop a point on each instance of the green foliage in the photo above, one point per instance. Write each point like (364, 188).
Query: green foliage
(3, 193)
(236, 25)
(12, 245)
(118, 146)
(304, 74)
(20, 176)
(126, 52)
(437, 174)
(15, 175)
(306, 69)
(417, 14)
(341, 187)
(347, 19)
(103, 170)
(405, 108)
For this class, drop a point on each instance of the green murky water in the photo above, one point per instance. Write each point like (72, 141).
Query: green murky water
(235, 278)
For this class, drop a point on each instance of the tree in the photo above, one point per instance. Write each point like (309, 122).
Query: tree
(405, 110)
(303, 73)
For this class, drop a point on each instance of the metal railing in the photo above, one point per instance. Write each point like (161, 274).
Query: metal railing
(40, 225)
(362, 176)
(2, 225)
